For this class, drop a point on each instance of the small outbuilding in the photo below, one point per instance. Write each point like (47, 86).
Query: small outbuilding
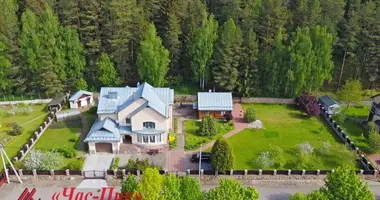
(56, 102)
(81, 99)
(330, 105)
(215, 104)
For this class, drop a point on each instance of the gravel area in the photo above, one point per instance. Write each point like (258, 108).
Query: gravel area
(160, 159)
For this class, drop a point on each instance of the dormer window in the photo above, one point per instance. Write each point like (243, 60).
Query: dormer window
(150, 125)
(128, 120)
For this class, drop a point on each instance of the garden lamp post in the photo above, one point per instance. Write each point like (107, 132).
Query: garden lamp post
(3, 153)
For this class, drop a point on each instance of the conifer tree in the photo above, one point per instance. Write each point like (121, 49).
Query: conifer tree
(107, 74)
(228, 55)
(153, 58)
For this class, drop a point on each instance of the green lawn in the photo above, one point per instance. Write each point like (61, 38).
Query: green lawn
(193, 140)
(286, 127)
(354, 129)
(59, 134)
(185, 88)
(38, 116)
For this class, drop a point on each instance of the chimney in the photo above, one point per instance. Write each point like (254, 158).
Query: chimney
(138, 84)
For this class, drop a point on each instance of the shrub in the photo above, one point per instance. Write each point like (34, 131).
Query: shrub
(208, 127)
(325, 148)
(42, 161)
(374, 141)
(172, 140)
(309, 104)
(228, 116)
(66, 152)
(250, 115)
(222, 158)
(115, 163)
(129, 184)
(278, 155)
(265, 160)
(74, 139)
(76, 164)
(93, 110)
(140, 164)
(16, 129)
(18, 165)
(339, 117)
(305, 148)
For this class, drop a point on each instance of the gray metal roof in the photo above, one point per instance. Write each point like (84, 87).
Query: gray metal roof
(215, 101)
(327, 101)
(114, 99)
(103, 130)
(56, 101)
(78, 94)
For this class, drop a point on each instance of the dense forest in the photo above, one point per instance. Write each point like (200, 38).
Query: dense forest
(274, 48)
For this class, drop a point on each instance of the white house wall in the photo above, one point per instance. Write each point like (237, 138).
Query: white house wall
(170, 120)
(129, 109)
(149, 115)
(73, 105)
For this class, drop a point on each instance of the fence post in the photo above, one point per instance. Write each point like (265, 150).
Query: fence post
(115, 172)
(32, 140)
(22, 153)
(289, 172)
(20, 173)
(216, 172)
(318, 172)
(34, 171)
(52, 172)
(231, 172)
(375, 173)
(202, 172)
(138, 173)
(332, 171)
(275, 172)
(27, 146)
(123, 172)
(245, 172)
(188, 171)
(361, 172)
(303, 172)
(15, 158)
(260, 172)
(67, 171)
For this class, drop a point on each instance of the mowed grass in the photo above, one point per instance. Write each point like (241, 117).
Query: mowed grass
(34, 120)
(193, 140)
(286, 127)
(58, 135)
(354, 129)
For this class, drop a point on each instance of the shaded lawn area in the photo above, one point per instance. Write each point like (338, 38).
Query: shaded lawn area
(286, 127)
(38, 116)
(354, 129)
(193, 140)
(185, 88)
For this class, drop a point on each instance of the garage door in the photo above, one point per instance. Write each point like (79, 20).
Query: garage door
(103, 147)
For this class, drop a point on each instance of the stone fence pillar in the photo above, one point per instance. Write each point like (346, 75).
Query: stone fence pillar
(375, 173)
(34, 172)
(52, 172)
(20, 173)
(216, 172)
(274, 172)
(289, 172)
(260, 172)
(202, 171)
(318, 172)
(22, 153)
(231, 172)
(361, 172)
(245, 172)
(138, 172)
(67, 171)
(303, 172)
(15, 158)
(32, 140)
(123, 172)
(188, 171)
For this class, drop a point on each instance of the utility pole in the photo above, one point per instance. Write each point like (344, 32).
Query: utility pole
(3, 153)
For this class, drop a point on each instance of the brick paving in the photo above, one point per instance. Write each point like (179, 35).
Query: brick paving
(239, 123)
(375, 160)
(176, 156)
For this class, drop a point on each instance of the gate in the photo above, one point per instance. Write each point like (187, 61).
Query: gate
(94, 174)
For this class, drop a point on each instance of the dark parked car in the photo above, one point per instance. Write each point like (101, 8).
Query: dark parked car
(205, 157)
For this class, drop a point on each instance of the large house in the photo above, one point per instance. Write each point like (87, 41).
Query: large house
(215, 104)
(139, 115)
(374, 113)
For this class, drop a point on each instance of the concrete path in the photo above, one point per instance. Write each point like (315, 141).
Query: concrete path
(239, 124)
(98, 162)
(93, 183)
(176, 157)
(83, 133)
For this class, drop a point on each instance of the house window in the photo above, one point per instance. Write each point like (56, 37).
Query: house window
(128, 120)
(222, 113)
(150, 125)
(151, 139)
(145, 139)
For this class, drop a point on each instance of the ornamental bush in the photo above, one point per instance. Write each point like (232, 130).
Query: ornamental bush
(66, 152)
(42, 161)
(250, 115)
(222, 158)
(76, 164)
(16, 129)
(208, 127)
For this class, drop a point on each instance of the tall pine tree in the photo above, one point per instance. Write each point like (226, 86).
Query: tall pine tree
(227, 56)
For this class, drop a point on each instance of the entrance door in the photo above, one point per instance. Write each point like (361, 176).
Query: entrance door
(79, 104)
(127, 139)
(103, 147)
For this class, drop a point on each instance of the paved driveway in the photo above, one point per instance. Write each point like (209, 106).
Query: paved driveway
(98, 162)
